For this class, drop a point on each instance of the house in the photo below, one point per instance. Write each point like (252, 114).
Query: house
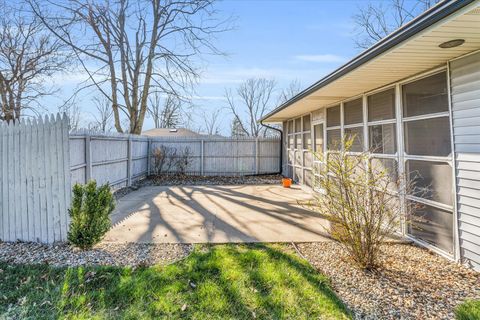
(414, 97)
(170, 132)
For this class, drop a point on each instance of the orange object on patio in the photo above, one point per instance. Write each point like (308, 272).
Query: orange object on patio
(286, 182)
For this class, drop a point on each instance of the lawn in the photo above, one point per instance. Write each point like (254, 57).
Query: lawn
(214, 282)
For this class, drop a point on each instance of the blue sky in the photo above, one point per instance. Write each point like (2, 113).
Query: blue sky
(276, 39)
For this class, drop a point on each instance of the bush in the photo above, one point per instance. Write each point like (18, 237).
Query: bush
(360, 199)
(469, 310)
(90, 211)
(164, 159)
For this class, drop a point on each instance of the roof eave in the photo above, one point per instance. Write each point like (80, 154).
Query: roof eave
(425, 20)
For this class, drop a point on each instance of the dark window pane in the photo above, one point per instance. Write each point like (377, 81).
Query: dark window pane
(290, 141)
(306, 123)
(434, 226)
(334, 139)
(298, 125)
(381, 106)
(387, 168)
(431, 180)
(383, 138)
(307, 141)
(353, 112)
(298, 141)
(428, 95)
(333, 116)
(318, 136)
(429, 137)
(290, 126)
(357, 135)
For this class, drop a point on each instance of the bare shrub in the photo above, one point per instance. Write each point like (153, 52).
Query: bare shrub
(184, 160)
(362, 201)
(164, 158)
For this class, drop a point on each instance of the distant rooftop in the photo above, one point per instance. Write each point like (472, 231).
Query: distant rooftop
(170, 132)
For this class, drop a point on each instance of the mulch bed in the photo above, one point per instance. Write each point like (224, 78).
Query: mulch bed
(187, 180)
(64, 255)
(413, 283)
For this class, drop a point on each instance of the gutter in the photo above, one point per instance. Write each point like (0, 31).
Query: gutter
(281, 145)
(423, 21)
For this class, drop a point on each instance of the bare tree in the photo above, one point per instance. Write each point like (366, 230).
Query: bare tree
(28, 57)
(375, 21)
(236, 129)
(294, 87)
(165, 112)
(103, 114)
(127, 48)
(73, 112)
(252, 102)
(211, 121)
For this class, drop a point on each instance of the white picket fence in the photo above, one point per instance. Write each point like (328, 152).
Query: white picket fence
(34, 180)
(40, 161)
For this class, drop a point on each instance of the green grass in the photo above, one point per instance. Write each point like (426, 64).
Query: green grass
(214, 282)
(469, 310)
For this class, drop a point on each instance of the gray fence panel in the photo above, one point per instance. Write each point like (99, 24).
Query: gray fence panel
(34, 180)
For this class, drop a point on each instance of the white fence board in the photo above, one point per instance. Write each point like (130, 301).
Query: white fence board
(34, 180)
(40, 161)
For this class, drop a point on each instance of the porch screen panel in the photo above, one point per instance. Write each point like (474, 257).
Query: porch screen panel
(428, 157)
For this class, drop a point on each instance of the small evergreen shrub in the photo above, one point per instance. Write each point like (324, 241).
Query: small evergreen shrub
(90, 211)
(469, 310)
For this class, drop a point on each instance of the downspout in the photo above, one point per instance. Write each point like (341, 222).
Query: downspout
(281, 144)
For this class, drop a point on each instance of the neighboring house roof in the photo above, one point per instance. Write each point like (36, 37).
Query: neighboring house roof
(170, 132)
(411, 49)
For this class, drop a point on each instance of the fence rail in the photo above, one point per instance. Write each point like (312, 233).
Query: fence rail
(40, 160)
(123, 159)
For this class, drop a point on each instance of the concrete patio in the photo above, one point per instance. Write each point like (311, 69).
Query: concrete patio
(215, 214)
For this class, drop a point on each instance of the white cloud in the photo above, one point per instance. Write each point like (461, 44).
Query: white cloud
(320, 58)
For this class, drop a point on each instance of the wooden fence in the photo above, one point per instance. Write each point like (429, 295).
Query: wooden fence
(122, 159)
(40, 161)
(34, 180)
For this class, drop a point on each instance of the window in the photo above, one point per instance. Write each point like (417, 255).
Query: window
(428, 137)
(353, 112)
(306, 123)
(433, 225)
(357, 135)
(333, 116)
(425, 96)
(431, 180)
(307, 141)
(334, 139)
(298, 141)
(318, 136)
(290, 126)
(381, 106)
(388, 166)
(383, 138)
(298, 125)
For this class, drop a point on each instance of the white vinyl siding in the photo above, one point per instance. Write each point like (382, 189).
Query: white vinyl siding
(465, 90)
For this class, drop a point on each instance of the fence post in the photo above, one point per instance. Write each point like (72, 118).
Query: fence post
(149, 146)
(202, 146)
(257, 159)
(129, 161)
(88, 159)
